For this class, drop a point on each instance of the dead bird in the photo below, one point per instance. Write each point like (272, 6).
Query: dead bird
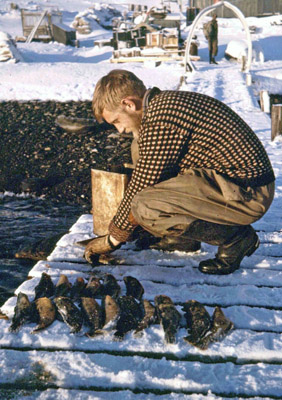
(133, 287)
(220, 327)
(149, 318)
(111, 286)
(92, 314)
(198, 321)
(110, 309)
(45, 287)
(94, 288)
(46, 313)
(161, 299)
(75, 125)
(77, 288)
(71, 315)
(129, 317)
(169, 317)
(63, 286)
(23, 312)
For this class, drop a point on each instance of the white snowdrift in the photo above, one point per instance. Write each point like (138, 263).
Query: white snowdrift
(8, 49)
(239, 48)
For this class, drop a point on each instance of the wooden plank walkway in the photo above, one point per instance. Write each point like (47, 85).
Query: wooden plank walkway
(54, 364)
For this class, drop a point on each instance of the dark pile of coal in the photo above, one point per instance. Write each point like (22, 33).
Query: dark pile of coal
(99, 304)
(38, 156)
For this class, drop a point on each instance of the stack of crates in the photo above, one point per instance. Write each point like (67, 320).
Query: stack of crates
(165, 39)
(125, 39)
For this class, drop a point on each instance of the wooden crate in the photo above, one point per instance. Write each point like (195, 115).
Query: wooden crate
(170, 42)
(63, 34)
(44, 31)
(154, 39)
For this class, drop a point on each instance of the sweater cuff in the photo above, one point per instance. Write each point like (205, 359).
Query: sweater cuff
(119, 234)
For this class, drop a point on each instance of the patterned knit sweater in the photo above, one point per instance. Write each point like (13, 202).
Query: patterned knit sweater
(182, 130)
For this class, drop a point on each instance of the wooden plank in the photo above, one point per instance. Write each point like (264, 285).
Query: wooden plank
(74, 394)
(151, 58)
(258, 319)
(240, 345)
(264, 101)
(75, 254)
(276, 121)
(265, 251)
(98, 371)
(166, 274)
(55, 268)
(209, 294)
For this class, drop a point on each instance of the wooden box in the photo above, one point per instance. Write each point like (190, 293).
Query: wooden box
(31, 18)
(63, 34)
(108, 189)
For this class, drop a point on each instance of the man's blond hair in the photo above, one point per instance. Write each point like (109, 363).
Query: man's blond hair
(113, 88)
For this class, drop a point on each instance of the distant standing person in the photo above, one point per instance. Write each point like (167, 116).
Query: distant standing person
(211, 34)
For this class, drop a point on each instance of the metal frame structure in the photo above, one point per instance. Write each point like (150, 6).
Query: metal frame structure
(189, 67)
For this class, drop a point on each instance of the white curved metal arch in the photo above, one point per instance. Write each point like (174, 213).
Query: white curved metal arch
(188, 64)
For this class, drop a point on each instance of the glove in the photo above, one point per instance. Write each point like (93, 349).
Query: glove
(99, 245)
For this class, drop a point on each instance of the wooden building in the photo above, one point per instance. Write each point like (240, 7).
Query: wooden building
(250, 8)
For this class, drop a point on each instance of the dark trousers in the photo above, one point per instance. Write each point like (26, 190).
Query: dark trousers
(213, 49)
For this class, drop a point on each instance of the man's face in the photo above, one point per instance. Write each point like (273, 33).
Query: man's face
(124, 119)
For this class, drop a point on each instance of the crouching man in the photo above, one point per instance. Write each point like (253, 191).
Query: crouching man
(201, 174)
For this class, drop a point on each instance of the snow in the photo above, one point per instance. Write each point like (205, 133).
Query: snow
(108, 370)
(63, 394)
(247, 362)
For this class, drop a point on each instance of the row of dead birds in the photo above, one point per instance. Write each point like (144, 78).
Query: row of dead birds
(123, 313)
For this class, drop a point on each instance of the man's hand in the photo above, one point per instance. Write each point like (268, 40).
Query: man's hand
(100, 245)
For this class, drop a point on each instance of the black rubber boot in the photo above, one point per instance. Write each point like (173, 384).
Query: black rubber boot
(146, 240)
(235, 242)
(180, 243)
(213, 61)
(143, 239)
(230, 254)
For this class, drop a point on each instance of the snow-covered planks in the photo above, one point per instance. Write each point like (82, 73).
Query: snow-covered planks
(73, 370)
(74, 394)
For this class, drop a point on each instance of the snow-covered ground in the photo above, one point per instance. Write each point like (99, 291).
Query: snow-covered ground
(248, 361)
(58, 72)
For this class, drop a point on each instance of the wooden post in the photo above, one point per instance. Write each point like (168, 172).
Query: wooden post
(193, 49)
(264, 101)
(276, 120)
(248, 79)
(244, 62)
